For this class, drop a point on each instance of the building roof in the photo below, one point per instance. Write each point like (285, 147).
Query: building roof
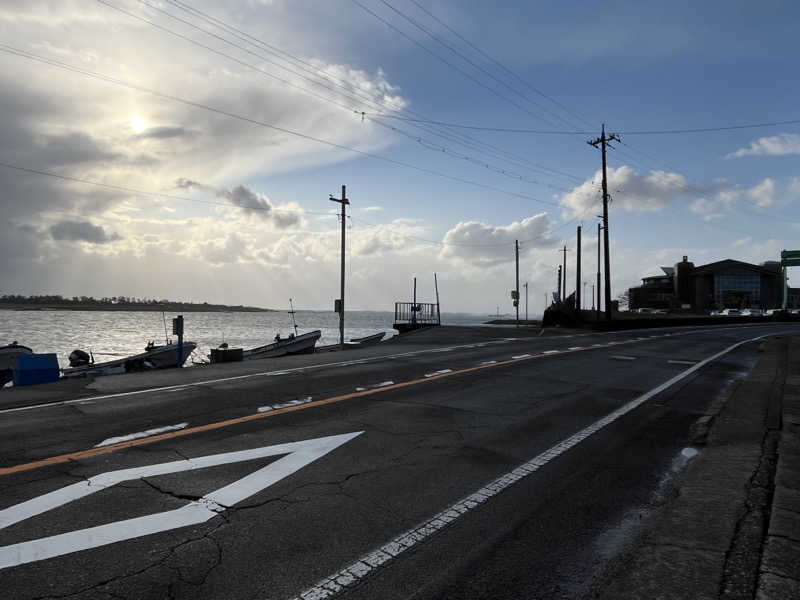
(730, 263)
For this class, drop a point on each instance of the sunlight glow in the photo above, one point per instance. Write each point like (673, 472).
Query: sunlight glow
(138, 124)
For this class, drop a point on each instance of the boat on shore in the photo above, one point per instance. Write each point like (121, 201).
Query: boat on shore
(294, 344)
(8, 355)
(154, 357)
(353, 343)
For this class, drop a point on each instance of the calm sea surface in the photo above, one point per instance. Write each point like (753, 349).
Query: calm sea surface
(110, 334)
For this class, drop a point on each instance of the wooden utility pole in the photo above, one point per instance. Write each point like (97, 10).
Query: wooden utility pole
(602, 141)
(578, 274)
(597, 316)
(560, 299)
(340, 305)
(564, 273)
(516, 287)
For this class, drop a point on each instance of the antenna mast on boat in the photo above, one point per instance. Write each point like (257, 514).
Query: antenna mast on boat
(291, 312)
(166, 335)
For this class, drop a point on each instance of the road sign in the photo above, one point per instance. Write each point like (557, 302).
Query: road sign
(790, 253)
(790, 262)
(298, 455)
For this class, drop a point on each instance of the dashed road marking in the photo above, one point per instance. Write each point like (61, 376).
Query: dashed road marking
(296, 402)
(681, 362)
(370, 562)
(551, 352)
(441, 372)
(518, 356)
(140, 434)
(488, 362)
(621, 357)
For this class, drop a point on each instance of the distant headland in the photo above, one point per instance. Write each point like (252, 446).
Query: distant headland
(55, 302)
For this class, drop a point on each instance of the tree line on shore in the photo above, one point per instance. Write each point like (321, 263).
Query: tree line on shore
(110, 302)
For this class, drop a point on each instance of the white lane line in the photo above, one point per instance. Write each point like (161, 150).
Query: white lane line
(681, 362)
(141, 434)
(180, 389)
(297, 455)
(248, 376)
(368, 563)
(489, 362)
(441, 372)
(385, 383)
(575, 348)
(621, 357)
(360, 389)
(520, 356)
(551, 352)
(270, 407)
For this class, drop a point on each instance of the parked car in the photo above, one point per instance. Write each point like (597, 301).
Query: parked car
(752, 312)
(731, 312)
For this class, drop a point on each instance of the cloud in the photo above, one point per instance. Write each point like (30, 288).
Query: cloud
(164, 133)
(763, 193)
(372, 208)
(81, 231)
(481, 244)
(251, 202)
(630, 191)
(776, 145)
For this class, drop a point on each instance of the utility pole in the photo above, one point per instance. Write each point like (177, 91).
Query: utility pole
(602, 141)
(438, 306)
(578, 275)
(597, 316)
(592, 296)
(526, 302)
(340, 304)
(564, 273)
(583, 301)
(516, 287)
(560, 299)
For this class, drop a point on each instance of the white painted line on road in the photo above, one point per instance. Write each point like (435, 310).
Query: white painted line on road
(681, 362)
(141, 434)
(178, 389)
(367, 564)
(270, 407)
(551, 352)
(575, 348)
(247, 376)
(621, 357)
(520, 356)
(489, 362)
(385, 383)
(298, 455)
(442, 372)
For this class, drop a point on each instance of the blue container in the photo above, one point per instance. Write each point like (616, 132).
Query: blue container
(35, 368)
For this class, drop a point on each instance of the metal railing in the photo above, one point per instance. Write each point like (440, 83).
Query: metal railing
(419, 313)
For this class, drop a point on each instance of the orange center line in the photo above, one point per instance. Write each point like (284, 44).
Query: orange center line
(62, 458)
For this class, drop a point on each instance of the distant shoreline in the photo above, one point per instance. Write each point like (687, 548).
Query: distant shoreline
(173, 307)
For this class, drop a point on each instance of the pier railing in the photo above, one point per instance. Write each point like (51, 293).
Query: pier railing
(416, 314)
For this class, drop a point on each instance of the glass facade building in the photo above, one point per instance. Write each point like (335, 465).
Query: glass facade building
(741, 290)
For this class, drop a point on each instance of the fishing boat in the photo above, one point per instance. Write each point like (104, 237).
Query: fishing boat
(8, 355)
(154, 357)
(367, 340)
(294, 344)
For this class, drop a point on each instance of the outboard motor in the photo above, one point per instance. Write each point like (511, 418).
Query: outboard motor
(79, 358)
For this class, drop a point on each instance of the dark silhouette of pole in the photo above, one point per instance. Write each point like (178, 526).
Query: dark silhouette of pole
(599, 288)
(592, 296)
(414, 304)
(526, 302)
(516, 287)
(602, 141)
(578, 274)
(559, 284)
(438, 308)
(344, 202)
(564, 273)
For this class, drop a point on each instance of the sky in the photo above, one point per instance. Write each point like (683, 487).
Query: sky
(187, 149)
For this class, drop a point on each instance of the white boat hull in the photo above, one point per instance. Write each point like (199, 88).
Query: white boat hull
(159, 357)
(302, 344)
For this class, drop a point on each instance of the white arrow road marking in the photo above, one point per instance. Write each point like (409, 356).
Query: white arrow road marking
(298, 455)
(141, 434)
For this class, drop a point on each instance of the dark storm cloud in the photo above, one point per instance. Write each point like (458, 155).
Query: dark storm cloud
(252, 202)
(72, 148)
(81, 231)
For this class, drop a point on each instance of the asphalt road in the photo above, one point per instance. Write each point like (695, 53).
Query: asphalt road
(462, 464)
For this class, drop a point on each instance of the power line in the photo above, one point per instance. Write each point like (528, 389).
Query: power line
(498, 63)
(469, 60)
(447, 62)
(349, 93)
(65, 66)
(563, 132)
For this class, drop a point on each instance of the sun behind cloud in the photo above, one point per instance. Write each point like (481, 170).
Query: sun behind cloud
(138, 124)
